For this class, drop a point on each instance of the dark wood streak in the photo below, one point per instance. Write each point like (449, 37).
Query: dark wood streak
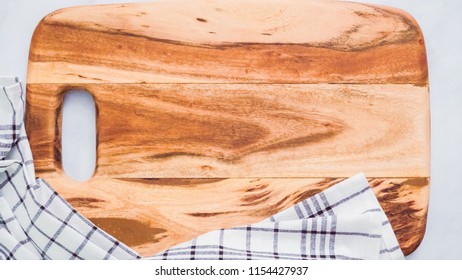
(258, 187)
(328, 182)
(300, 196)
(85, 202)
(87, 77)
(408, 220)
(272, 209)
(419, 182)
(256, 199)
(365, 14)
(201, 19)
(130, 232)
(190, 182)
(303, 140)
(375, 182)
(408, 35)
(169, 155)
(211, 214)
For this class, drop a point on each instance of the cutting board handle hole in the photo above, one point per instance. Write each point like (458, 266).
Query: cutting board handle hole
(78, 135)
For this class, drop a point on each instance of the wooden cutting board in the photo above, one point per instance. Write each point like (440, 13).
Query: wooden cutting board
(213, 114)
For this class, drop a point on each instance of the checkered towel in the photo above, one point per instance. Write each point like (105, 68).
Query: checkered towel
(343, 222)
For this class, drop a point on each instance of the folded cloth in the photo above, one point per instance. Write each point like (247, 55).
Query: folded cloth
(342, 222)
(11, 112)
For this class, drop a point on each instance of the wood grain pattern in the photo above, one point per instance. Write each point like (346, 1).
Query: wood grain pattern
(220, 113)
(242, 130)
(236, 41)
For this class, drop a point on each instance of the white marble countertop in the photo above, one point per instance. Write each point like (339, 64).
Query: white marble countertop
(441, 22)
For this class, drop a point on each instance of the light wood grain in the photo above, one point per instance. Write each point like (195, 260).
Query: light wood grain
(220, 113)
(242, 130)
(228, 41)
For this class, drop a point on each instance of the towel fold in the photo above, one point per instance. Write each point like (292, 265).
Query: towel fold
(342, 222)
(12, 107)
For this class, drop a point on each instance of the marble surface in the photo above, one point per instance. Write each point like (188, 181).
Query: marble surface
(441, 22)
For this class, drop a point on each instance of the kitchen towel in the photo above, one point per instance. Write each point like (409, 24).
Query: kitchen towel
(342, 222)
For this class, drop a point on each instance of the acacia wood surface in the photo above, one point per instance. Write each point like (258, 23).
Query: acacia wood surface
(246, 130)
(215, 114)
(228, 41)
